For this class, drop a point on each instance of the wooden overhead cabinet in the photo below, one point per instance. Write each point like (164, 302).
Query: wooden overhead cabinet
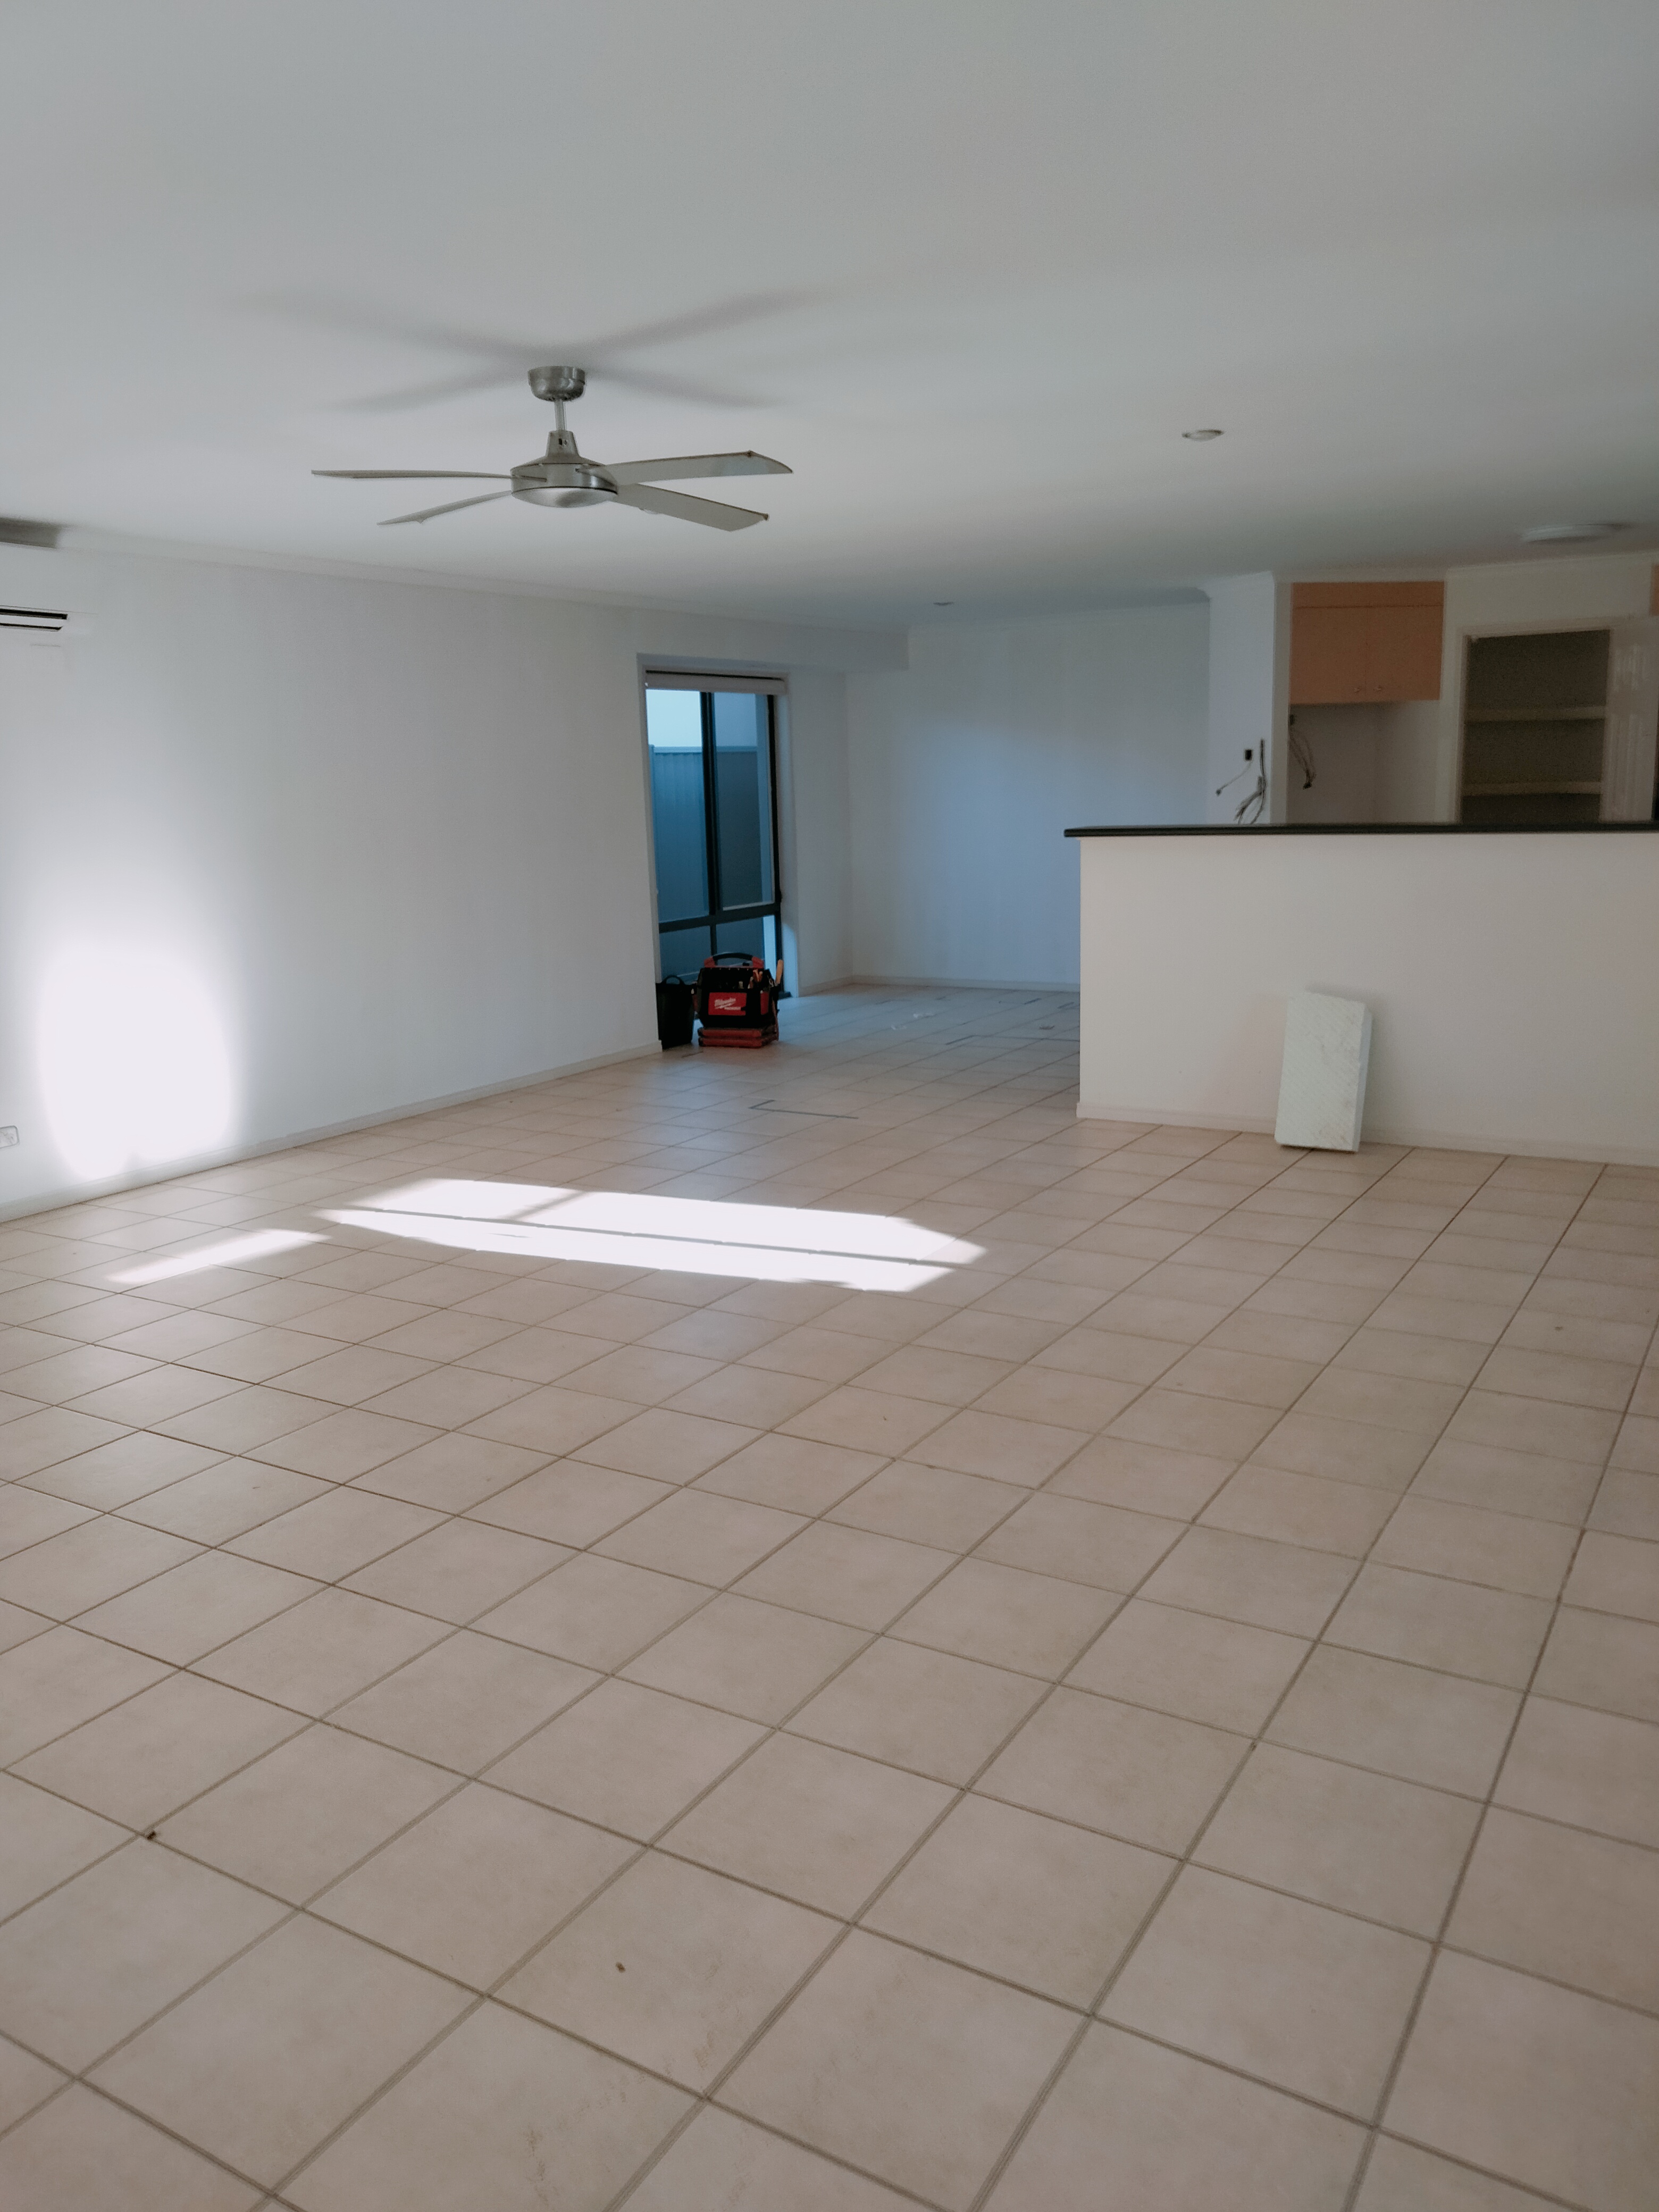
(1357, 644)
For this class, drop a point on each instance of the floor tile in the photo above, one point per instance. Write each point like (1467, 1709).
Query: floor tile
(159, 1749)
(1402, 2179)
(1145, 1777)
(1501, 1481)
(936, 1714)
(26, 2082)
(1219, 1672)
(1249, 1579)
(1538, 2084)
(1131, 2125)
(1362, 1843)
(1344, 1451)
(1309, 2000)
(92, 1961)
(1615, 1574)
(722, 2164)
(1591, 1769)
(847, 1574)
(29, 1517)
(928, 1505)
(112, 1475)
(300, 1816)
(1028, 1900)
(1007, 1617)
(341, 1446)
(594, 1612)
(188, 1610)
(71, 1573)
(669, 1447)
(474, 1884)
(626, 1756)
(760, 1661)
(571, 1504)
(1440, 1729)
(330, 2017)
(866, 1420)
(1144, 1478)
(223, 1500)
(56, 1681)
(1554, 1901)
(810, 1822)
(1344, 1517)
(1502, 1550)
(458, 1570)
(1458, 1628)
(465, 1701)
(502, 2112)
(700, 1535)
(674, 1967)
(46, 1841)
(978, 1442)
(450, 1473)
(1080, 1541)
(554, 1419)
(905, 2067)
(36, 1440)
(1599, 1659)
(791, 1472)
(1221, 1428)
(83, 2151)
(245, 1420)
(322, 1652)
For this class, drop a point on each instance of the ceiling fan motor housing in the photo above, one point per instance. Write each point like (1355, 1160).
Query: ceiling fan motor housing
(562, 471)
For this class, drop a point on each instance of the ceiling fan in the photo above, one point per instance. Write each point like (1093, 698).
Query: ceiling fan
(565, 478)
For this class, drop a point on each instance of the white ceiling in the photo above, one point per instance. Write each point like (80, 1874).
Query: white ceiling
(970, 266)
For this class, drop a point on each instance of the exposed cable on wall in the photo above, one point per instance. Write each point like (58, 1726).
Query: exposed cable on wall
(1302, 754)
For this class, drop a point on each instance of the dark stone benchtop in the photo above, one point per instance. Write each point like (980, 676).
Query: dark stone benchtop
(1371, 829)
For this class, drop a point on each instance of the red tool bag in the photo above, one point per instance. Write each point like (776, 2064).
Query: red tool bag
(737, 1001)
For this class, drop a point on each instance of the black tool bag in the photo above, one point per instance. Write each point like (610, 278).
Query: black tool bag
(676, 1008)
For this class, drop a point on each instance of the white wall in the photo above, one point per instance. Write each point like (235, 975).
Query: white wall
(1250, 647)
(1516, 1006)
(358, 845)
(966, 766)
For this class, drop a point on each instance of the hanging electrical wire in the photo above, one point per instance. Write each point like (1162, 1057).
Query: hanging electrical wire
(1302, 754)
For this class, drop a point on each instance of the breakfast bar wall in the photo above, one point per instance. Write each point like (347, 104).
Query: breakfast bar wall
(1509, 973)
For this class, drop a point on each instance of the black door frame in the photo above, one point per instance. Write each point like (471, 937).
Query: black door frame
(719, 915)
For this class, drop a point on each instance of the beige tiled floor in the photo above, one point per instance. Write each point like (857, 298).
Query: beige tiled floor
(1160, 1716)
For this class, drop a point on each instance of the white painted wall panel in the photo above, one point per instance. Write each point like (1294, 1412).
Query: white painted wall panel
(967, 768)
(389, 840)
(1515, 1002)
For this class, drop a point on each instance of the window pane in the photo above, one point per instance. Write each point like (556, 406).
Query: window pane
(683, 950)
(750, 937)
(743, 798)
(673, 724)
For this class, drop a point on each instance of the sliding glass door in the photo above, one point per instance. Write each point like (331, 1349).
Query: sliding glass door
(713, 816)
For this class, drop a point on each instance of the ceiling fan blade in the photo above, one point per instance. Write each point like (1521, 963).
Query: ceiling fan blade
(687, 509)
(696, 464)
(417, 475)
(454, 507)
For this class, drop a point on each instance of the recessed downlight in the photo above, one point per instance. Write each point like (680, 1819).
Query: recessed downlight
(1570, 533)
(1201, 437)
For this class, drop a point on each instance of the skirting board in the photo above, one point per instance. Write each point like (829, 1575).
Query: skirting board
(199, 1164)
(1435, 1140)
(960, 983)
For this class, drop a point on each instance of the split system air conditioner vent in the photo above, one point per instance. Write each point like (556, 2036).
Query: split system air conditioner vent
(53, 620)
